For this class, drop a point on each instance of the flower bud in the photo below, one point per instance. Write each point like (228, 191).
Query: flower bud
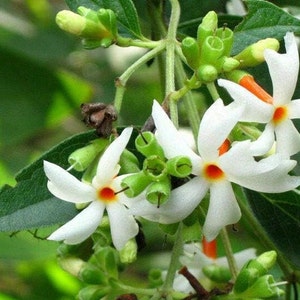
(207, 27)
(93, 292)
(147, 144)
(229, 64)
(155, 168)
(263, 262)
(226, 35)
(179, 166)
(219, 274)
(191, 52)
(129, 253)
(108, 18)
(159, 192)
(128, 162)
(92, 275)
(245, 279)
(212, 49)
(207, 73)
(81, 158)
(135, 184)
(106, 259)
(253, 55)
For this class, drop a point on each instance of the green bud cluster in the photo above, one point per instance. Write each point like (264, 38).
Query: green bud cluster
(155, 177)
(253, 280)
(209, 54)
(97, 28)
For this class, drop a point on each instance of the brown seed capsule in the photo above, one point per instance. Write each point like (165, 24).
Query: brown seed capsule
(99, 116)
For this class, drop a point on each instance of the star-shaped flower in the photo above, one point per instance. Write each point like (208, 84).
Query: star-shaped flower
(102, 194)
(277, 111)
(214, 172)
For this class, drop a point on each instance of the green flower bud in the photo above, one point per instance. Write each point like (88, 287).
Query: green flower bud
(159, 192)
(93, 292)
(129, 253)
(226, 35)
(253, 55)
(128, 162)
(81, 158)
(155, 168)
(207, 27)
(207, 73)
(135, 184)
(191, 51)
(236, 75)
(263, 287)
(263, 262)
(108, 18)
(219, 274)
(147, 144)
(229, 64)
(92, 275)
(155, 278)
(90, 172)
(179, 166)
(212, 49)
(245, 279)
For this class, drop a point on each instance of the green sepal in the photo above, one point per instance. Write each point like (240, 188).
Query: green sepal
(128, 162)
(159, 192)
(207, 73)
(263, 262)
(212, 49)
(81, 158)
(207, 27)
(155, 168)
(219, 274)
(253, 55)
(245, 279)
(92, 275)
(90, 44)
(108, 18)
(191, 51)
(147, 144)
(179, 166)
(226, 35)
(135, 184)
(93, 292)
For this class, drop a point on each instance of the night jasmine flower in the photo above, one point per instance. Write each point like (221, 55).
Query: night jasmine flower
(104, 193)
(277, 111)
(213, 171)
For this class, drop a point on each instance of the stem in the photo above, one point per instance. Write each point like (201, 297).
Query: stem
(127, 42)
(229, 253)
(213, 91)
(122, 80)
(170, 58)
(266, 241)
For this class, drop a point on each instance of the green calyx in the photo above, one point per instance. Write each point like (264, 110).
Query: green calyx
(155, 168)
(179, 166)
(191, 51)
(147, 144)
(219, 274)
(134, 184)
(207, 27)
(159, 192)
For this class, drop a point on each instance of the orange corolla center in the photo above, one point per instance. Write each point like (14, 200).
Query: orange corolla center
(280, 114)
(106, 194)
(224, 147)
(213, 172)
(209, 248)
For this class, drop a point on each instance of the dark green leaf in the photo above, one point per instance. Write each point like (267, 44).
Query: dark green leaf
(29, 204)
(279, 215)
(263, 20)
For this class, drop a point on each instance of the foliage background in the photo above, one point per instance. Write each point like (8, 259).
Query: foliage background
(44, 77)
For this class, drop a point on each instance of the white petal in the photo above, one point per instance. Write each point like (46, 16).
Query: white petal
(170, 139)
(108, 166)
(283, 69)
(265, 142)
(273, 181)
(256, 110)
(294, 109)
(287, 138)
(223, 209)
(81, 226)
(123, 226)
(215, 127)
(65, 186)
(183, 200)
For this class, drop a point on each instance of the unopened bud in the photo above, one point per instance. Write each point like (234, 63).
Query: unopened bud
(190, 49)
(219, 274)
(229, 64)
(207, 73)
(263, 262)
(128, 162)
(93, 292)
(92, 275)
(129, 253)
(253, 55)
(134, 184)
(245, 279)
(207, 27)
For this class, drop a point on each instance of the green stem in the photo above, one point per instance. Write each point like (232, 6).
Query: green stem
(127, 42)
(263, 237)
(135, 290)
(170, 58)
(229, 253)
(122, 80)
(213, 91)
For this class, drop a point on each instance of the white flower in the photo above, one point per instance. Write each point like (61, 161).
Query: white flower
(214, 172)
(102, 194)
(195, 260)
(277, 115)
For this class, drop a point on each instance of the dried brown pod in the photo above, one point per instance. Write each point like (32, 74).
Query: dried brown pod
(99, 116)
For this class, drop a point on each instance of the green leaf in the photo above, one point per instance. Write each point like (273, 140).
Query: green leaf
(279, 215)
(29, 204)
(263, 20)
